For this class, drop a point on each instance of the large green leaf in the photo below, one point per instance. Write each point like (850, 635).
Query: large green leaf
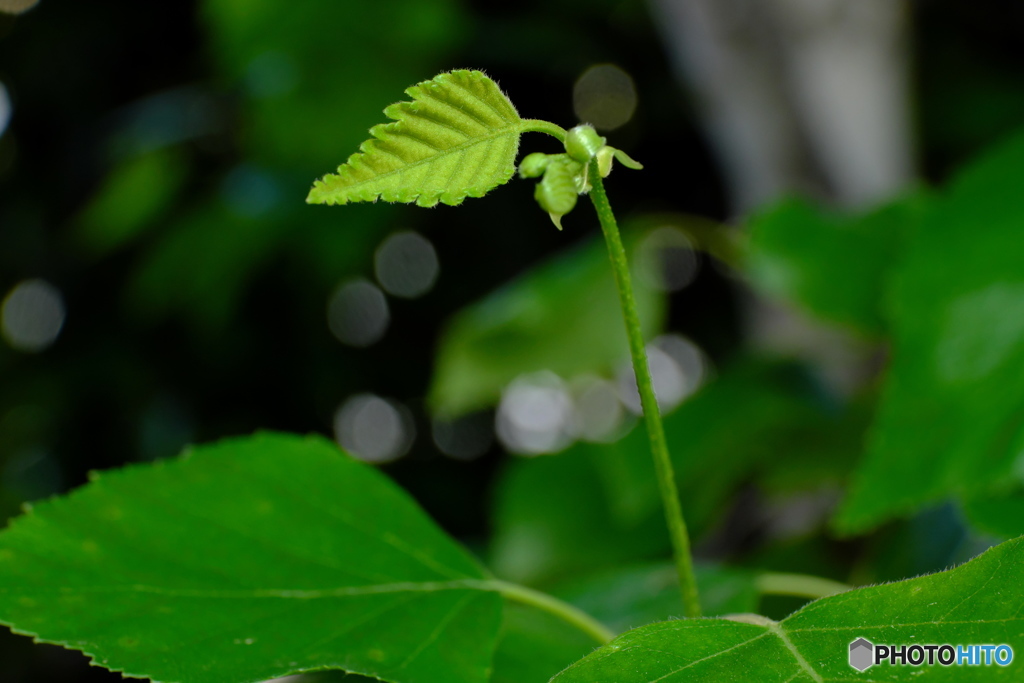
(458, 138)
(838, 266)
(561, 316)
(245, 560)
(950, 421)
(979, 602)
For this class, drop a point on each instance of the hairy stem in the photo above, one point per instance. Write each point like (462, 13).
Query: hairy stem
(799, 585)
(552, 605)
(652, 416)
(540, 126)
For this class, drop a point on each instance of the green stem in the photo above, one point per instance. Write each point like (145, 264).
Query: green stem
(798, 585)
(652, 416)
(540, 126)
(552, 605)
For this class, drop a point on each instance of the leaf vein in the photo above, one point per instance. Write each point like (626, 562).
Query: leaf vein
(496, 133)
(438, 630)
(709, 657)
(486, 100)
(779, 631)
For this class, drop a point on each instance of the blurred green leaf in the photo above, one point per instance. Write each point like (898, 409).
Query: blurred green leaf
(303, 97)
(976, 603)
(625, 598)
(251, 541)
(823, 450)
(534, 646)
(132, 199)
(836, 265)
(1001, 515)
(561, 316)
(309, 81)
(552, 519)
(949, 422)
(201, 267)
(597, 505)
(929, 541)
(752, 418)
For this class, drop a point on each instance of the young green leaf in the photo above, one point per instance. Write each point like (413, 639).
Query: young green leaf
(458, 138)
(977, 603)
(556, 192)
(247, 560)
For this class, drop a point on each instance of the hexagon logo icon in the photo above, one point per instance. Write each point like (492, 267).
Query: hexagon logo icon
(862, 653)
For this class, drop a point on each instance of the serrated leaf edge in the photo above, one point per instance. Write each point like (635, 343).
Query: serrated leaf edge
(383, 131)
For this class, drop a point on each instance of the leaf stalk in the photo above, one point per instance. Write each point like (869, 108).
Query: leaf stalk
(541, 126)
(798, 585)
(652, 416)
(552, 605)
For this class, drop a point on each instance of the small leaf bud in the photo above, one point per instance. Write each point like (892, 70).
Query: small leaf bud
(533, 165)
(582, 143)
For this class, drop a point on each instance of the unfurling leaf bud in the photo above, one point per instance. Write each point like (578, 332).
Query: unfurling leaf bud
(556, 192)
(533, 165)
(582, 143)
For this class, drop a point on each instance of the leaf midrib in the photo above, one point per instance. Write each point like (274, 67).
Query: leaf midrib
(780, 632)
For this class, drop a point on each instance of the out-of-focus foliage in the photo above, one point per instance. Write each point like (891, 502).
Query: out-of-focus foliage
(553, 518)
(533, 644)
(289, 66)
(999, 515)
(596, 505)
(132, 200)
(838, 266)
(561, 316)
(949, 420)
(634, 595)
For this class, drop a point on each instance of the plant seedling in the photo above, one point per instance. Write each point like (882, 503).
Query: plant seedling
(264, 556)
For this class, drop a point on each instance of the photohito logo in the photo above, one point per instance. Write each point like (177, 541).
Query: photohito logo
(864, 654)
